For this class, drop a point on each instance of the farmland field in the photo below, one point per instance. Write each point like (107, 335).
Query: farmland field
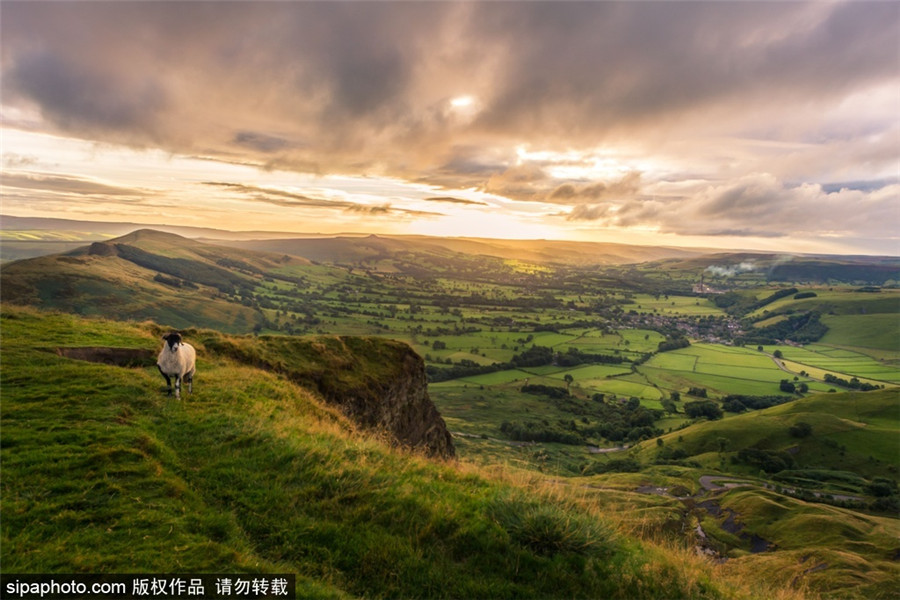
(840, 361)
(865, 332)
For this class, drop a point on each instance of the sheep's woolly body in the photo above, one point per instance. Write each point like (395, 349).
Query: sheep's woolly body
(177, 359)
(177, 364)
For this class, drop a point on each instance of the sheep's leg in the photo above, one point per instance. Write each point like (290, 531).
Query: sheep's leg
(168, 380)
(190, 381)
(178, 387)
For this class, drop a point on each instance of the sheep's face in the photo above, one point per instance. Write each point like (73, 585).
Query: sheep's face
(173, 340)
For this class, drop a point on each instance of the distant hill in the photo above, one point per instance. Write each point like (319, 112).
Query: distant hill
(147, 275)
(358, 250)
(29, 237)
(26, 237)
(787, 267)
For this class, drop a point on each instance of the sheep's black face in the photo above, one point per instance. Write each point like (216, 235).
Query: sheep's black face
(173, 340)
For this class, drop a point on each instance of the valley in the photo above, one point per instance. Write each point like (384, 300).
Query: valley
(624, 380)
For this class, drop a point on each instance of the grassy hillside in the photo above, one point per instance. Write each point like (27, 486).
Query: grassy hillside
(855, 432)
(848, 553)
(104, 473)
(148, 274)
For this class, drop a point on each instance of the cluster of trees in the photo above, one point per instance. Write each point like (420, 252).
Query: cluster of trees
(853, 384)
(790, 387)
(770, 461)
(673, 343)
(738, 403)
(703, 408)
(531, 431)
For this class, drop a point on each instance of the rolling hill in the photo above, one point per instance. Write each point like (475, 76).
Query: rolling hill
(855, 432)
(253, 473)
(147, 275)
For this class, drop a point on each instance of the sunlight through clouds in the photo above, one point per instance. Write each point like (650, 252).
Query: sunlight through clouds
(368, 115)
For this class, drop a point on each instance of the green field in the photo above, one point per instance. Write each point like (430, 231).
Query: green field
(681, 305)
(721, 370)
(875, 331)
(840, 361)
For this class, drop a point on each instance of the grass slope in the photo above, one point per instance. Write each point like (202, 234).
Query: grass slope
(104, 473)
(147, 275)
(858, 432)
(846, 553)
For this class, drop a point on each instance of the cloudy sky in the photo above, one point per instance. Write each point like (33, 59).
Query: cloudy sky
(770, 125)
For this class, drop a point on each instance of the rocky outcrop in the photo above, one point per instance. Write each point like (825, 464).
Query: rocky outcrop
(379, 384)
(399, 404)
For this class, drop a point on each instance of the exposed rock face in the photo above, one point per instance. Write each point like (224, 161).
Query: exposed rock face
(400, 404)
(379, 384)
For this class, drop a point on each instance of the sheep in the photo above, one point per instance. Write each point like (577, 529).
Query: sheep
(177, 359)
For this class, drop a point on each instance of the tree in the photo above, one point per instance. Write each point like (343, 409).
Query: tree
(778, 354)
(703, 408)
(568, 379)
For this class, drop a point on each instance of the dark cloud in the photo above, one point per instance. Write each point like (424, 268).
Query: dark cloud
(361, 82)
(86, 100)
(599, 67)
(260, 141)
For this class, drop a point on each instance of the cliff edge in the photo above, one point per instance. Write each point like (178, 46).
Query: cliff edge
(379, 384)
